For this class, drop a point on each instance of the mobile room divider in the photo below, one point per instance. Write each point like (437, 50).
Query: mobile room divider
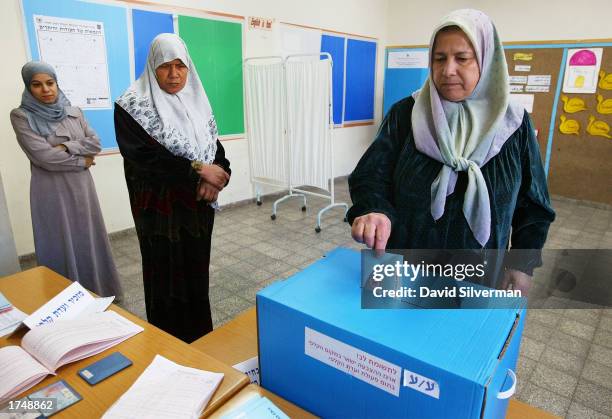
(290, 126)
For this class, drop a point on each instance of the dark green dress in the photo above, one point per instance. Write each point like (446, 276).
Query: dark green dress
(394, 178)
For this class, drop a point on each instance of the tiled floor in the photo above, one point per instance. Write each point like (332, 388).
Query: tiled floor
(565, 366)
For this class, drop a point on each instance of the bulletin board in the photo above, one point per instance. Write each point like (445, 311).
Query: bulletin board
(114, 20)
(576, 146)
(353, 77)
(127, 33)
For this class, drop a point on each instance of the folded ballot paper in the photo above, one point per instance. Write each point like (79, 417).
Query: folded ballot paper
(256, 408)
(166, 390)
(47, 347)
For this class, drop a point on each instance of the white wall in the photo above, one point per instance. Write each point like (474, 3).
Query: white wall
(363, 17)
(411, 22)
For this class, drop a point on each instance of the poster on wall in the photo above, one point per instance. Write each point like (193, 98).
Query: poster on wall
(77, 51)
(581, 70)
(408, 59)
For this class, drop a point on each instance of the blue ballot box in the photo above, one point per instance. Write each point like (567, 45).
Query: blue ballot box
(320, 350)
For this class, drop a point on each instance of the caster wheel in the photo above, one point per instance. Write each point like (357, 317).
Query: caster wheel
(259, 203)
(345, 219)
(318, 229)
(273, 217)
(304, 208)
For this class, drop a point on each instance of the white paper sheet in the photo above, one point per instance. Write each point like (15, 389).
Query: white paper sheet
(166, 390)
(582, 70)
(67, 341)
(18, 371)
(251, 368)
(539, 80)
(524, 99)
(72, 302)
(518, 80)
(360, 364)
(83, 72)
(516, 88)
(522, 68)
(537, 89)
(408, 59)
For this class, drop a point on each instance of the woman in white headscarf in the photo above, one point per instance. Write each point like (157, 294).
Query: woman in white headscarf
(69, 232)
(175, 168)
(456, 165)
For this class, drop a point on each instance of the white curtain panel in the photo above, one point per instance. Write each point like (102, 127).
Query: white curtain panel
(265, 121)
(308, 119)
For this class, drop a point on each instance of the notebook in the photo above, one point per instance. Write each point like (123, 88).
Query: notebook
(47, 347)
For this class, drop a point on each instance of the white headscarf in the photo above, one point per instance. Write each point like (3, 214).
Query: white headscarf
(467, 134)
(182, 122)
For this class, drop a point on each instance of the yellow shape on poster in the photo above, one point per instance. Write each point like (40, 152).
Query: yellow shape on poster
(523, 56)
(579, 82)
(573, 105)
(605, 80)
(598, 128)
(569, 126)
(604, 107)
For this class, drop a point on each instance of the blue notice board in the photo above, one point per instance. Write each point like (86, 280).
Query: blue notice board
(334, 45)
(114, 19)
(360, 80)
(147, 25)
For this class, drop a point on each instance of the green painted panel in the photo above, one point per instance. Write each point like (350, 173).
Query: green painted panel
(216, 49)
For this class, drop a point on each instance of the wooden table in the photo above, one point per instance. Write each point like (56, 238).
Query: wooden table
(236, 341)
(30, 289)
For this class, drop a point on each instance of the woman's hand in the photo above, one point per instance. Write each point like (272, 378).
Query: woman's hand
(89, 161)
(207, 192)
(372, 229)
(516, 280)
(61, 147)
(214, 175)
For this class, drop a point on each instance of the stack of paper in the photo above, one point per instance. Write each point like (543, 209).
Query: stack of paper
(10, 316)
(167, 390)
(256, 408)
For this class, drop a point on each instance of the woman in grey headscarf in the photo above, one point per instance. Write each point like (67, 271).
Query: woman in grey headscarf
(457, 165)
(69, 232)
(175, 167)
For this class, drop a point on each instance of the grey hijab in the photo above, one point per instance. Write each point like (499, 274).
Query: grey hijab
(466, 135)
(43, 118)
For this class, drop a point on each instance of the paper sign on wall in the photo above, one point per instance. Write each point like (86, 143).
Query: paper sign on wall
(522, 68)
(408, 59)
(516, 88)
(83, 73)
(362, 365)
(260, 23)
(524, 99)
(581, 70)
(518, 79)
(539, 80)
(522, 56)
(537, 89)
